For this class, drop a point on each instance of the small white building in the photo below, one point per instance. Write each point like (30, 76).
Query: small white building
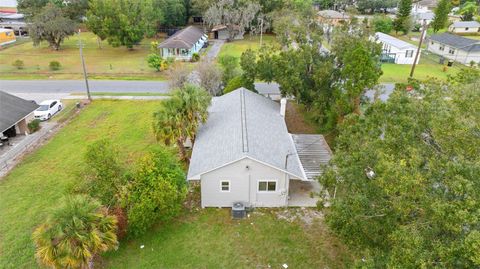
(457, 48)
(244, 153)
(395, 50)
(464, 27)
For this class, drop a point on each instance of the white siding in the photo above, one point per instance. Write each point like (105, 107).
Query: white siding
(460, 56)
(464, 30)
(244, 176)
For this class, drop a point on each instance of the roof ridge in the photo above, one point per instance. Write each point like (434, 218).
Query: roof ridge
(243, 115)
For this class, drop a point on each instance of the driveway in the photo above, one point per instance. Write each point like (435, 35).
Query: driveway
(215, 49)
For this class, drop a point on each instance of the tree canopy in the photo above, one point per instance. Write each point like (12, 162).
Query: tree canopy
(405, 178)
(402, 22)
(441, 15)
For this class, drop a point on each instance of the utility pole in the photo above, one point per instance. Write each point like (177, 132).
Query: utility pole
(80, 45)
(422, 36)
(261, 32)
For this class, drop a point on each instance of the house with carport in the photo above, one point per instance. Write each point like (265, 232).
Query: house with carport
(395, 50)
(244, 153)
(15, 114)
(183, 44)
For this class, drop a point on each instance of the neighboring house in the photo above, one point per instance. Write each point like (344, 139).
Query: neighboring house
(395, 50)
(464, 27)
(420, 17)
(424, 5)
(221, 32)
(183, 44)
(332, 17)
(7, 36)
(15, 114)
(454, 47)
(270, 90)
(13, 21)
(244, 153)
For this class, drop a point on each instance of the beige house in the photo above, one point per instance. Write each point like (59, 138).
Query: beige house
(332, 17)
(15, 114)
(464, 27)
(244, 153)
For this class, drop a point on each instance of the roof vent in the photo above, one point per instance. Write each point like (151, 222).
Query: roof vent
(238, 210)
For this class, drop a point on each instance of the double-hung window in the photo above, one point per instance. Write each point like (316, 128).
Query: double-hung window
(267, 186)
(409, 54)
(225, 186)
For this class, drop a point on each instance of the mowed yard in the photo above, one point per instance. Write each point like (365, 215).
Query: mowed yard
(199, 239)
(105, 62)
(237, 47)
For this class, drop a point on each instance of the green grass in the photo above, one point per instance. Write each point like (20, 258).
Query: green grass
(105, 63)
(211, 239)
(36, 185)
(237, 47)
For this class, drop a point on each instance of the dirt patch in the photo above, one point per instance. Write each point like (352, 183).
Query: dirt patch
(295, 119)
(307, 216)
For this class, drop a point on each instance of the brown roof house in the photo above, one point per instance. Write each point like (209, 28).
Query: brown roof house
(183, 44)
(332, 17)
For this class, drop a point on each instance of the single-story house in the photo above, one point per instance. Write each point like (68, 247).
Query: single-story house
(332, 17)
(420, 17)
(424, 5)
(244, 153)
(15, 114)
(221, 32)
(395, 50)
(183, 44)
(7, 36)
(464, 27)
(454, 47)
(13, 21)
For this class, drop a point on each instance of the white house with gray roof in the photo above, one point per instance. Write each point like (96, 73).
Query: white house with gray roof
(464, 27)
(244, 153)
(395, 50)
(454, 47)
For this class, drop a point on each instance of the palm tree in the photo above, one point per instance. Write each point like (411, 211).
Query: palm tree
(75, 233)
(181, 115)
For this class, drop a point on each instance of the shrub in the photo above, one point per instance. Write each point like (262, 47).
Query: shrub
(233, 84)
(383, 24)
(230, 66)
(156, 191)
(155, 61)
(34, 125)
(195, 57)
(19, 64)
(54, 65)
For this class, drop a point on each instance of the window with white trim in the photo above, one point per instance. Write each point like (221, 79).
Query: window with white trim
(441, 47)
(409, 54)
(267, 185)
(225, 186)
(451, 51)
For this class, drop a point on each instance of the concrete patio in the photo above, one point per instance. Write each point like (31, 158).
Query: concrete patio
(300, 193)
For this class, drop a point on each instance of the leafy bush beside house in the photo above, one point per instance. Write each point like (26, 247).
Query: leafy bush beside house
(195, 57)
(54, 65)
(34, 125)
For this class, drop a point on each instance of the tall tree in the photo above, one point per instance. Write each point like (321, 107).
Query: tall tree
(469, 10)
(405, 179)
(402, 22)
(73, 9)
(180, 116)
(236, 15)
(77, 231)
(122, 22)
(441, 15)
(51, 25)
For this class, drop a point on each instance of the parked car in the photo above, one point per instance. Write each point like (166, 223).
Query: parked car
(47, 109)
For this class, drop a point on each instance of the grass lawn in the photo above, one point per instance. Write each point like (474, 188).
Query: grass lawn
(237, 47)
(211, 239)
(35, 186)
(105, 63)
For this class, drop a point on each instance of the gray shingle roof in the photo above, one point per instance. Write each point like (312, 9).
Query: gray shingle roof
(384, 38)
(463, 24)
(183, 39)
(454, 41)
(243, 124)
(13, 109)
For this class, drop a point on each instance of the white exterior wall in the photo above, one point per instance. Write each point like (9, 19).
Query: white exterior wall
(223, 35)
(400, 54)
(463, 30)
(460, 56)
(244, 185)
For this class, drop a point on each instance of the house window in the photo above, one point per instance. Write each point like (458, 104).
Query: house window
(441, 47)
(466, 28)
(225, 186)
(451, 51)
(267, 185)
(409, 54)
